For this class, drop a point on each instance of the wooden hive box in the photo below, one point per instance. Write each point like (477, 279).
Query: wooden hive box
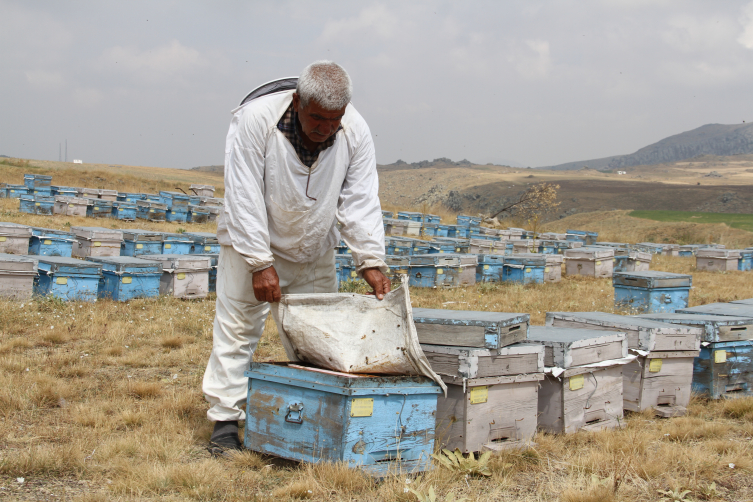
(581, 398)
(729, 309)
(399, 265)
(442, 270)
(660, 380)
(569, 347)
(37, 204)
(746, 260)
(591, 262)
(629, 260)
(202, 190)
(481, 246)
(68, 279)
(720, 260)
(70, 206)
(107, 194)
(150, 210)
(184, 276)
(130, 196)
(670, 249)
(214, 259)
(17, 274)
(651, 291)
(489, 268)
(37, 181)
(724, 367)
(553, 269)
(689, 249)
(90, 193)
(380, 424)
(96, 241)
(14, 238)
(204, 243)
(465, 328)
(123, 210)
(47, 242)
(15, 191)
(97, 208)
(649, 247)
(456, 364)
(642, 334)
(176, 243)
(141, 242)
(527, 268)
(125, 278)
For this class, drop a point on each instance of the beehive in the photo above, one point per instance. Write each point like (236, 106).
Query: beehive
(395, 227)
(174, 200)
(381, 424)
(721, 260)
(36, 181)
(130, 197)
(46, 242)
(67, 278)
(214, 259)
(141, 242)
(630, 260)
(97, 208)
(583, 236)
(649, 247)
(96, 241)
(125, 278)
(107, 194)
(69, 206)
(746, 260)
(456, 364)
(89, 193)
(184, 276)
(553, 269)
(213, 211)
(429, 229)
(346, 269)
(490, 268)
(65, 191)
(399, 265)
(590, 261)
(651, 291)
(202, 190)
(729, 309)
(387, 214)
(442, 270)
(36, 204)
(689, 249)
(14, 238)
(197, 214)
(15, 191)
(482, 246)
(458, 232)
(441, 246)
(176, 243)
(150, 210)
(123, 210)
(465, 328)
(211, 201)
(526, 268)
(410, 215)
(204, 242)
(17, 275)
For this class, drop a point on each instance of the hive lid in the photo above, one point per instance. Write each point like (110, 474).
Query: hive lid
(62, 265)
(98, 233)
(48, 232)
(18, 264)
(151, 204)
(123, 264)
(397, 261)
(652, 279)
(717, 253)
(526, 259)
(467, 317)
(616, 321)
(203, 237)
(8, 229)
(214, 257)
(730, 309)
(434, 260)
(590, 253)
(171, 237)
(699, 319)
(549, 335)
(124, 204)
(182, 262)
(141, 235)
(491, 259)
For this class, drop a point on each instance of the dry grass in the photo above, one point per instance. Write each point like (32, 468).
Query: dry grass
(108, 405)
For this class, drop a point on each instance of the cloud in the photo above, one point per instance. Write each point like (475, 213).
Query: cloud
(45, 80)
(534, 60)
(374, 20)
(746, 38)
(169, 60)
(88, 96)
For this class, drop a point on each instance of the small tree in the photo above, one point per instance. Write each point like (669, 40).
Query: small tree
(533, 204)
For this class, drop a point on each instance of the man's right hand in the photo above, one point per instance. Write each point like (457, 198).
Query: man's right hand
(267, 285)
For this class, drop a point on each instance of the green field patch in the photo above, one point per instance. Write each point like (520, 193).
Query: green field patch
(734, 220)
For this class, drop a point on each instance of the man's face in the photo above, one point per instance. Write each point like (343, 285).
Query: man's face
(317, 123)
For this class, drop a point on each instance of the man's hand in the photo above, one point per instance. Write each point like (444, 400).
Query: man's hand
(379, 282)
(267, 285)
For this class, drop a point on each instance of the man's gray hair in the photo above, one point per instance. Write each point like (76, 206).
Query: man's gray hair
(327, 83)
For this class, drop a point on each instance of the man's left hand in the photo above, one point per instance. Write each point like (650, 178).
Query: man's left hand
(379, 282)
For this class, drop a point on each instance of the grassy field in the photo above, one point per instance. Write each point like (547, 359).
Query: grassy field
(103, 402)
(741, 221)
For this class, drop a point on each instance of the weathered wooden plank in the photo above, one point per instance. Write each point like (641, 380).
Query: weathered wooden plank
(724, 370)
(568, 347)
(654, 380)
(717, 328)
(464, 362)
(464, 328)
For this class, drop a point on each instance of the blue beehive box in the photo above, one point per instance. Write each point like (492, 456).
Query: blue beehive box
(15, 191)
(47, 242)
(410, 215)
(67, 191)
(527, 268)
(125, 278)
(442, 230)
(152, 197)
(398, 247)
(440, 247)
(431, 218)
(122, 210)
(584, 236)
(37, 181)
(174, 199)
(36, 204)
(204, 243)
(215, 258)
(176, 243)
(150, 210)
(346, 268)
(387, 214)
(67, 278)
(689, 249)
(468, 221)
(383, 424)
(177, 214)
(649, 247)
(490, 268)
(418, 246)
(458, 232)
(343, 248)
(442, 270)
(130, 196)
(651, 291)
(399, 265)
(746, 260)
(141, 242)
(197, 214)
(99, 208)
(429, 229)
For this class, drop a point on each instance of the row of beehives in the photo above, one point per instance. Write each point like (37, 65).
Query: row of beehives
(82, 242)
(505, 381)
(120, 278)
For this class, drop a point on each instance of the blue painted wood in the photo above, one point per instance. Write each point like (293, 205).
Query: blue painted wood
(649, 247)
(42, 191)
(151, 197)
(305, 415)
(458, 231)
(746, 260)
(526, 268)
(724, 375)
(141, 242)
(410, 215)
(176, 214)
(490, 268)
(15, 191)
(716, 328)
(388, 214)
(399, 265)
(123, 210)
(653, 279)
(651, 300)
(436, 270)
(429, 229)
(197, 214)
(151, 211)
(130, 196)
(37, 180)
(36, 204)
(442, 230)
(441, 247)
(46, 242)
(67, 278)
(125, 278)
(345, 267)
(204, 242)
(174, 200)
(468, 221)
(176, 243)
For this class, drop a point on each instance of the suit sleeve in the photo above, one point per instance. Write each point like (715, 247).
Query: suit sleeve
(359, 211)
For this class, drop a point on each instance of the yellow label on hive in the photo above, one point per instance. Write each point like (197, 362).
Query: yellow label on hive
(457, 249)
(173, 212)
(38, 204)
(207, 248)
(546, 269)
(479, 394)
(180, 276)
(120, 209)
(576, 382)
(139, 246)
(127, 280)
(3, 239)
(96, 208)
(441, 251)
(168, 246)
(440, 271)
(720, 356)
(486, 267)
(362, 407)
(349, 251)
(655, 366)
(96, 244)
(71, 205)
(598, 263)
(47, 242)
(61, 280)
(528, 271)
(353, 274)
(151, 210)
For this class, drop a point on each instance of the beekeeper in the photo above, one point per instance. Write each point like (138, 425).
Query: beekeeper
(296, 162)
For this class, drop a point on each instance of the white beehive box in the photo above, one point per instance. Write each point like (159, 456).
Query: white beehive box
(202, 190)
(96, 241)
(553, 269)
(721, 260)
(589, 261)
(17, 275)
(14, 238)
(70, 206)
(92, 193)
(570, 347)
(107, 194)
(456, 364)
(660, 380)
(184, 276)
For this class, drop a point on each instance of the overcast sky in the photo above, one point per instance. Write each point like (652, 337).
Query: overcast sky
(532, 82)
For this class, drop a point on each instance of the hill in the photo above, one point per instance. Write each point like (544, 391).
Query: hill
(710, 139)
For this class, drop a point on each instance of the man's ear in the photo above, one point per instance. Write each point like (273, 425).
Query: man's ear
(296, 101)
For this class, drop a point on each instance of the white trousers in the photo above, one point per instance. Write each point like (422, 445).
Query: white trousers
(239, 323)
